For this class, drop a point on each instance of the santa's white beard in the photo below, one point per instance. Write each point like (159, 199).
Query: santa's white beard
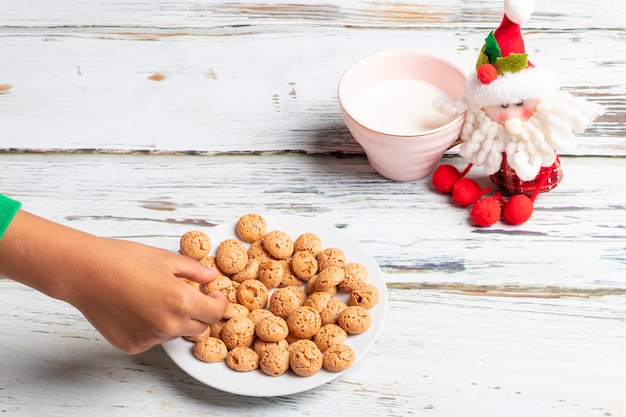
(550, 129)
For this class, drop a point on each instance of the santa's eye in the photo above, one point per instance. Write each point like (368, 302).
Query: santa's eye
(519, 103)
(505, 105)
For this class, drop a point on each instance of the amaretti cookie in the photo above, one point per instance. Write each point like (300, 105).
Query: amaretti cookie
(278, 244)
(251, 227)
(238, 331)
(195, 244)
(271, 273)
(355, 275)
(366, 296)
(231, 256)
(272, 329)
(330, 257)
(283, 301)
(354, 319)
(242, 359)
(318, 300)
(304, 322)
(274, 361)
(309, 242)
(304, 265)
(210, 349)
(332, 310)
(305, 358)
(252, 294)
(329, 277)
(328, 335)
(250, 271)
(338, 358)
(258, 252)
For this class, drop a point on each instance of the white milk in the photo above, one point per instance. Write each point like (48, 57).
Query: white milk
(401, 107)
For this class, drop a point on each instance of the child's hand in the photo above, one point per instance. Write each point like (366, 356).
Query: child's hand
(135, 297)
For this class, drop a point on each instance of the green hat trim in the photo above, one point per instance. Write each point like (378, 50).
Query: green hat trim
(491, 54)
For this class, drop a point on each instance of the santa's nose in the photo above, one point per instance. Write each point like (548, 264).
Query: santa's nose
(513, 125)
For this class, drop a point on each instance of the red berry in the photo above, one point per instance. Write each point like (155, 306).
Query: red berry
(487, 73)
(465, 192)
(444, 178)
(518, 209)
(486, 212)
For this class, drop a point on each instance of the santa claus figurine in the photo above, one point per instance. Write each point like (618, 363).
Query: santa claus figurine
(516, 122)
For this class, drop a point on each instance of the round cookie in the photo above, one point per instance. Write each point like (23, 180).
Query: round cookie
(289, 278)
(366, 296)
(330, 257)
(318, 300)
(251, 227)
(261, 346)
(304, 322)
(304, 265)
(274, 361)
(216, 328)
(309, 242)
(231, 256)
(210, 349)
(271, 273)
(250, 271)
(230, 293)
(332, 310)
(305, 358)
(272, 329)
(310, 287)
(283, 301)
(354, 319)
(258, 252)
(235, 310)
(259, 314)
(209, 261)
(355, 276)
(338, 358)
(278, 244)
(329, 335)
(242, 359)
(299, 292)
(238, 331)
(195, 244)
(328, 278)
(252, 294)
(219, 283)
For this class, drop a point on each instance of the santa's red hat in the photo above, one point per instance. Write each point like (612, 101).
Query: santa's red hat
(503, 73)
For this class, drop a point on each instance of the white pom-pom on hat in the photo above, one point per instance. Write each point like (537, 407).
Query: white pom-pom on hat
(519, 11)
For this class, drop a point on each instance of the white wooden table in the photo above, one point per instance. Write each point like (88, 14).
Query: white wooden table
(141, 119)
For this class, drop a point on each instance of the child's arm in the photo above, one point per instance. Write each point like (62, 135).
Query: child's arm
(130, 292)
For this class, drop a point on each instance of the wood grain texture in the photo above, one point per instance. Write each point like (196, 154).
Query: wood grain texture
(576, 237)
(256, 76)
(438, 355)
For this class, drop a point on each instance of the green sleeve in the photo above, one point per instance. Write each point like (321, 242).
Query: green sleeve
(8, 208)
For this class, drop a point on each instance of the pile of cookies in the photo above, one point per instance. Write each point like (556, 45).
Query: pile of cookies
(283, 310)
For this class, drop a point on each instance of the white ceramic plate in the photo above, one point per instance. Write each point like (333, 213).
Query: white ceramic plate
(256, 383)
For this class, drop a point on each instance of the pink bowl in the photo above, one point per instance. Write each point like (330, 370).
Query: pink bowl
(401, 158)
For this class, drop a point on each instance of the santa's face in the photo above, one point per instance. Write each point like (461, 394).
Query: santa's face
(528, 133)
(521, 110)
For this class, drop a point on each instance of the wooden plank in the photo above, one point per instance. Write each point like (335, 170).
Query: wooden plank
(576, 238)
(439, 354)
(560, 14)
(212, 77)
(244, 93)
